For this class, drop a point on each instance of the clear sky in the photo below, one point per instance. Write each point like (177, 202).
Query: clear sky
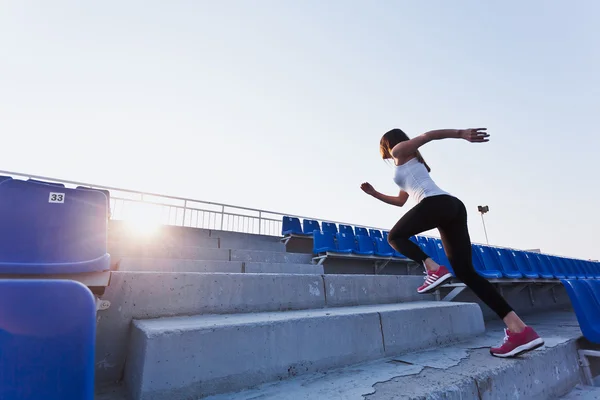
(280, 104)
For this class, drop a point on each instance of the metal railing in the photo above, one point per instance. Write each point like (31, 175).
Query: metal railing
(179, 211)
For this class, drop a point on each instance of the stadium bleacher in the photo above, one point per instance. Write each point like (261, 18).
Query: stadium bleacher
(489, 261)
(216, 295)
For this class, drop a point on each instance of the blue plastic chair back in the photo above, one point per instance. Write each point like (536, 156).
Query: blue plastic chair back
(539, 264)
(291, 226)
(490, 265)
(593, 267)
(524, 265)
(46, 183)
(309, 226)
(47, 340)
(508, 264)
(584, 267)
(47, 229)
(579, 269)
(4, 178)
(585, 298)
(345, 242)
(563, 267)
(330, 227)
(323, 242)
(383, 248)
(375, 233)
(347, 229)
(361, 231)
(439, 254)
(552, 264)
(364, 245)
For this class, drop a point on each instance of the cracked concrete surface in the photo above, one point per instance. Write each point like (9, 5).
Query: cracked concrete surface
(460, 371)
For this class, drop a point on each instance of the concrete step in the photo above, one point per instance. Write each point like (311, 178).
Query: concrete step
(582, 392)
(206, 254)
(141, 295)
(463, 371)
(189, 357)
(245, 241)
(270, 257)
(183, 265)
(281, 268)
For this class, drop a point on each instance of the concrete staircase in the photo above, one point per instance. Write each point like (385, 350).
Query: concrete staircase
(198, 313)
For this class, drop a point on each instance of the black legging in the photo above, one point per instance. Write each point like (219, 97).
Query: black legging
(449, 215)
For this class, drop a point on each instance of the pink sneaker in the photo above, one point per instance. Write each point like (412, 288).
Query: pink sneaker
(434, 279)
(515, 344)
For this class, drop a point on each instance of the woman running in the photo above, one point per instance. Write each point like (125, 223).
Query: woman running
(438, 209)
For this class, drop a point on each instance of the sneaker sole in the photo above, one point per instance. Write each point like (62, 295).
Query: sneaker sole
(524, 348)
(435, 284)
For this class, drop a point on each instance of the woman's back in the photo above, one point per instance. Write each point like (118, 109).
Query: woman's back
(413, 178)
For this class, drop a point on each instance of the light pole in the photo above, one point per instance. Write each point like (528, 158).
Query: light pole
(483, 210)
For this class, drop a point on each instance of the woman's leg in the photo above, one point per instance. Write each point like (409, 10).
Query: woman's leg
(416, 220)
(457, 244)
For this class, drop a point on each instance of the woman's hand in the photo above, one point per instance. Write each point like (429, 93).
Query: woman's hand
(477, 135)
(367, 188)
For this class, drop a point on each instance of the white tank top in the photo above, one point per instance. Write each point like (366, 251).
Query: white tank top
(413, 178)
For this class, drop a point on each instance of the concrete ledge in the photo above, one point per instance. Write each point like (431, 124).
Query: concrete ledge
(415, 330)
(139, 295)
(178, 265)
(245, 241)
(461, 371)
(270, 257)
(154, 294)
(180, 252)
(350, 290)
(282, 268)
(184, 357)
(132, 264)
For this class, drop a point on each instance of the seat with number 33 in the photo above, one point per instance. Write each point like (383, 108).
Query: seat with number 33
(48, 229)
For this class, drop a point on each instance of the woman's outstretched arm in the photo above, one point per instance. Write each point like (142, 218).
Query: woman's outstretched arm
(409, 147)
(399, 200)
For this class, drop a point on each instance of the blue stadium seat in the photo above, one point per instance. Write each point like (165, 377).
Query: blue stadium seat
(323, 242)
(551, 262)
(523, 264)
(361, 231)
(364, 245)
(345, 242)
(291, 226)
(309, 226)
(383, 248)
(375, 233)
(440, 254)
(489, 265)
(47, 229)
(577, 270)
(585, 298)
(47, 340)
(508, 264)
(586, 267)
(540, 264)
(593, 267)
(4, 178)
(330, 227)
(347, 229)
(563, 266)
